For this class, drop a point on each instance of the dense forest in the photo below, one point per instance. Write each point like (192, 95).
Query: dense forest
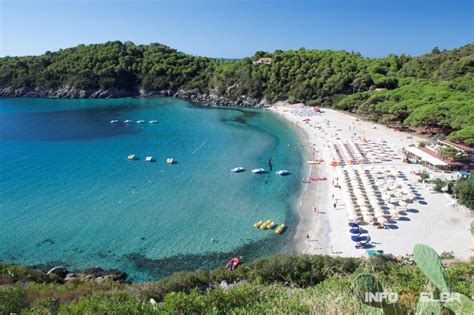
(433, 93)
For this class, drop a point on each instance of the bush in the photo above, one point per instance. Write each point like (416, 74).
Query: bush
(12, 299)
(177, 282)
(439, 184)
(114, 302)
(424, 176)
(464, 190)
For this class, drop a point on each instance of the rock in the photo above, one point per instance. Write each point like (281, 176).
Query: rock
(117, 275)
(59, 271)
(94, 272)
(224, 285)
(193, 95)
(70, 276)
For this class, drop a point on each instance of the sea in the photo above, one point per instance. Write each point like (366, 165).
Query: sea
(70, 197)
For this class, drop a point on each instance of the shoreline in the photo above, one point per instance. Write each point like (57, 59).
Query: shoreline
(433, 218)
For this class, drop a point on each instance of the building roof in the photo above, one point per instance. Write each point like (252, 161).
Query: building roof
(436, 154)
(458, 146)
(425, 156)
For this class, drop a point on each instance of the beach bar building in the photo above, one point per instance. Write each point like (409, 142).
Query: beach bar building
(430, 157)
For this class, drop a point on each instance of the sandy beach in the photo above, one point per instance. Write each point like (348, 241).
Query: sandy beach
(325, 208)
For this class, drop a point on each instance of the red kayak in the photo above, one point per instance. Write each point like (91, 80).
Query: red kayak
(232, 264)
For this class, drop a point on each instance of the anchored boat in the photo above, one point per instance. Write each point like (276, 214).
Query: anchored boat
(282, 172)
(258, 170)
(237, 169)
(131, 157)
(280, 229)
(149, 159)
(170, 161)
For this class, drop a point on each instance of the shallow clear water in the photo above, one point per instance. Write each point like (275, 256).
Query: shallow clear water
(69, 196)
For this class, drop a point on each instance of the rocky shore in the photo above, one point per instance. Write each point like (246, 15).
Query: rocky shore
(93, 274)
(194, 95)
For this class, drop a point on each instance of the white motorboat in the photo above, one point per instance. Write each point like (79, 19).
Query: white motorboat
(237, 169)
(170, 160)
(282, 172)
(131, 157)
(128, 121)
(258, 170)
(153, 121)
(114, 121)
(140, 121)
(149, 159)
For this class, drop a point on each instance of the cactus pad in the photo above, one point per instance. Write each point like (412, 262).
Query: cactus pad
(430, 264)
(366, 283)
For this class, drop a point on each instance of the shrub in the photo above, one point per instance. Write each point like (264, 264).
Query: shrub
(114, 302)
(12, 299)
(464, 190)
(439, 184)
(424, 176)
(177, 282)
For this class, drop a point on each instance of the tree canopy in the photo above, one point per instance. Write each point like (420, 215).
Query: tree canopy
(434, 91)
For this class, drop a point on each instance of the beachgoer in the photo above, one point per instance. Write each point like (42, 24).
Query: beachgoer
(307, 235)
(334, 205)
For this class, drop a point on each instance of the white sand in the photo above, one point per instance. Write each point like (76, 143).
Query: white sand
(436, 221)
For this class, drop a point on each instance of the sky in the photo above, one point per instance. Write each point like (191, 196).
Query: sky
(238, 28)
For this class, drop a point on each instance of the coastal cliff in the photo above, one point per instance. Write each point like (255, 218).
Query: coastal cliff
(193, 95)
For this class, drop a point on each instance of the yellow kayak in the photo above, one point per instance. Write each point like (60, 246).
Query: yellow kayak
(270, 225)
(314, 162)
(256, 225)
(280, 229)
(264, 225)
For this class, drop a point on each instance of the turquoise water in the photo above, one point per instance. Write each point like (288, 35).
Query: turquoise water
(69, 196)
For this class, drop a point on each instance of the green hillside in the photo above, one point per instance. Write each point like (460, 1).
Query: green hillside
(282, 284)
(433, 92)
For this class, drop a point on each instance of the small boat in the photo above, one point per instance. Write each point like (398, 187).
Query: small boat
(232, 264)
(153, 121)
(237, 169)
(314, 162)
(114, 121)
(131, 157)
(264, 225)
(128, 121)
(282, 172)
(258, 170)
(257, 225)
(170, 161)
(140, 121)
(149, 159)
(270, 225)
(280, 229)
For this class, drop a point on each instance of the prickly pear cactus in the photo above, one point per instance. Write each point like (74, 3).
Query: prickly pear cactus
(428, 307)
(365, 283)
(371, 310)
(430, 264)
(464, 306)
